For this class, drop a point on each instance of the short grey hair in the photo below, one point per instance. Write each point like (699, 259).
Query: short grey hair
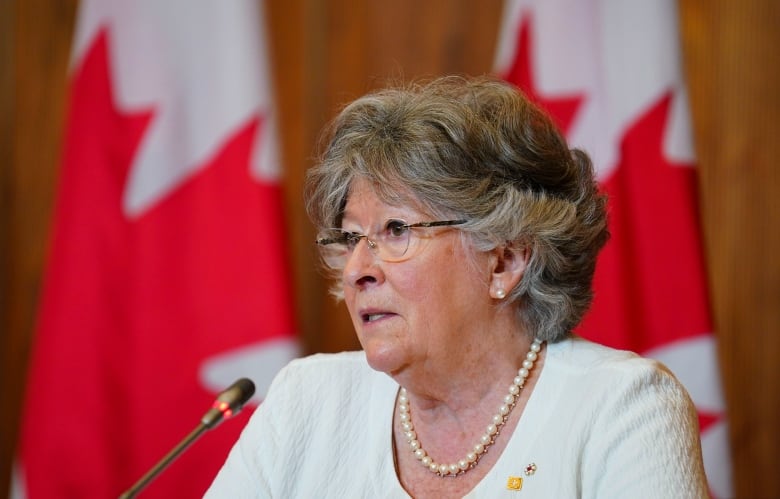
(476, 149)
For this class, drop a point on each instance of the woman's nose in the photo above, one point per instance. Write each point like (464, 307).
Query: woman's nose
(363, 266)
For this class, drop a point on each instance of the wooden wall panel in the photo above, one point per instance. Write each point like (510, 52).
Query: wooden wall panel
(732, 51)
(36, 41)
(327, 53)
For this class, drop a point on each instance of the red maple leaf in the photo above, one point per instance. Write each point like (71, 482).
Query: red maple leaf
(132, 306)
(650, 281)
(562, 109)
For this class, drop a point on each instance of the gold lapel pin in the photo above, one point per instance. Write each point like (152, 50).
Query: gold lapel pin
(514, 483)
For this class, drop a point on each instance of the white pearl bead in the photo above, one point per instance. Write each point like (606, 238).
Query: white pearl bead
(531, 356)
(504, 410)
(536, 346)
(509, 399)
(419, 454)
(479, 449)
(426, 460)
(411, 435)
(485, 439)
(433, 466)
(444, 469)
(523, 372)
(514, 389)
(404, 416)
(471, 456)
(528, 364)
(463, 464)
(407, 426)
(498, 419)
(492, 429)
(414, 444)
(403, 407)
(519, 380)
(454, 469)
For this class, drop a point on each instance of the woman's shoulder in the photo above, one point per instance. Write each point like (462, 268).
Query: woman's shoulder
(579, 358)
(578, 353)
(617, 409)
(607, 385)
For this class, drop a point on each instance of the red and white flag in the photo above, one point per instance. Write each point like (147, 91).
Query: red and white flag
(167, 277)
(609, 72)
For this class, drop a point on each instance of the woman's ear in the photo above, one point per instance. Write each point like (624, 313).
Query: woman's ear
(510, 263)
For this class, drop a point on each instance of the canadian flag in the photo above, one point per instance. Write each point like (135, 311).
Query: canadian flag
(609, 71)
(167, 277)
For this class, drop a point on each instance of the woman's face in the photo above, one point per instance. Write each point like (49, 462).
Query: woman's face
(425, 313)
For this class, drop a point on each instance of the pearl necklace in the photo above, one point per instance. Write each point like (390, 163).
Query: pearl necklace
(491, 432)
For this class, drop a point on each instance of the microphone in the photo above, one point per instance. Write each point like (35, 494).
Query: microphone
(227, 404)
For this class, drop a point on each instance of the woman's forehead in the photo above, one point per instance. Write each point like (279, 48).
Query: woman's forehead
(398, 196)
(367, 200)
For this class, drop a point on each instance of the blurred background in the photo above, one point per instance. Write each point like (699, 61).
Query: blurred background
(325, 53)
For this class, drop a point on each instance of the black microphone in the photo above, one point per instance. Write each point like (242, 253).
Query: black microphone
(228, 404)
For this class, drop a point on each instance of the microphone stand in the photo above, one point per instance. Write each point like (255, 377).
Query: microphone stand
(164, 462)
(228, 403)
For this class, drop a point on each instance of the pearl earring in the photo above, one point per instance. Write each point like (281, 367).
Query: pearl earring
(500, 293)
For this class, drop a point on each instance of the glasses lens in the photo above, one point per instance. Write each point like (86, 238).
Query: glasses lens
(335, 245)
(393, 241)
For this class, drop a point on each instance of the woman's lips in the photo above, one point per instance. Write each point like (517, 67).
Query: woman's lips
(373, 316)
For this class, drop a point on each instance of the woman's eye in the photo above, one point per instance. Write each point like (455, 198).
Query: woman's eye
(396, 228)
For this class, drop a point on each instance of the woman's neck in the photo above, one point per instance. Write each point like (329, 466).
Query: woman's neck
(458, 379)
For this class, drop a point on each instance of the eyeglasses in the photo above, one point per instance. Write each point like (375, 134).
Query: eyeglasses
(391, 244)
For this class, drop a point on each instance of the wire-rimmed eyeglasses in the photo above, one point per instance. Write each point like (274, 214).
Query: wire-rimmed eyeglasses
(391, 244)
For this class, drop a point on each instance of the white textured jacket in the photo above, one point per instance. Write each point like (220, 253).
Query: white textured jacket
(600, 423)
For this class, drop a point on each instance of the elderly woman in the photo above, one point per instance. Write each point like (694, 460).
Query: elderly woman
(462, 234)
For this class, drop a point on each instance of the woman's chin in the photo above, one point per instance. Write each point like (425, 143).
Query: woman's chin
(383, 359)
